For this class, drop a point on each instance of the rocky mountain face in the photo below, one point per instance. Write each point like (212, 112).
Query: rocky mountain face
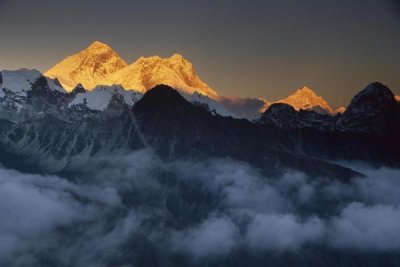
(27, 94)
(286, 117)
(374, 109)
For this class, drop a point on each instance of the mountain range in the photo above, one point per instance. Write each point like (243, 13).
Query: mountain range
(46, 127)
(100, 65)
(49, 120)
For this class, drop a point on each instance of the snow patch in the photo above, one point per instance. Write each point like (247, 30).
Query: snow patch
(54, 86)
(18, 81)
(100, 97)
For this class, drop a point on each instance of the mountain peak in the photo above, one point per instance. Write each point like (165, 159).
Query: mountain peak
(175, 71)
(99, 45)
(18, 80)
(177, 56)
(89, 67)
(376, 93)
(377, 88)
(306, 90)
(306, 98)
(373, 109)
(162, 97)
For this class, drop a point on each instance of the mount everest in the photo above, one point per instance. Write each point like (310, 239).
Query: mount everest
(100, 65)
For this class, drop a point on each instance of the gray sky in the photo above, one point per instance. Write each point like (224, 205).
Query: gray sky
(239, 47)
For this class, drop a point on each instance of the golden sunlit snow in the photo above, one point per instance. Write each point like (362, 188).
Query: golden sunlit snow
(99, 64)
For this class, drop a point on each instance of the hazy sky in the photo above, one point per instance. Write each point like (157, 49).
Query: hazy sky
(240, 47)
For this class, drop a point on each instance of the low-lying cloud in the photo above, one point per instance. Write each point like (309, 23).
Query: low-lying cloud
(367, 228)
(283, 231)
(215, 236)
(136, 208)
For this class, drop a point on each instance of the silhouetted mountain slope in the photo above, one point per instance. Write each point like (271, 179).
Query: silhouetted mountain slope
(373, 110)
(286, 117)
(368, 130)
(175, 128)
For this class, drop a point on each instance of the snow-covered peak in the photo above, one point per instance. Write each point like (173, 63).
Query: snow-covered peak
(175, 71)
(99, 47)
(305, 98)
(100, 97)
(99, 64)
(177, 58)
(90, 67)
(18, 81)
(304, 91)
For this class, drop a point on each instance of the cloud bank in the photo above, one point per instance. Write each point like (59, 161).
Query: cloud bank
(139, 210)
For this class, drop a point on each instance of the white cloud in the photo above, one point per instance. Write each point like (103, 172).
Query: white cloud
(367, 228)
(108, 209)
(283, 232)
(215, 236)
